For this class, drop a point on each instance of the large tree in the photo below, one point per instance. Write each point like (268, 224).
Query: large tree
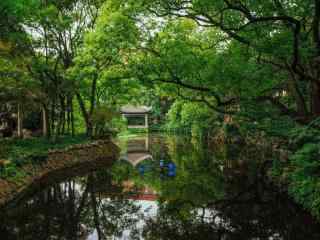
(56, 33)
(280, 35)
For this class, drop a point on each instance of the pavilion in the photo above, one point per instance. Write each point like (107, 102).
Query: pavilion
(137, 116)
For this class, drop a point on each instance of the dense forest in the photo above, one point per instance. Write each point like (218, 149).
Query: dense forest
(250, 68)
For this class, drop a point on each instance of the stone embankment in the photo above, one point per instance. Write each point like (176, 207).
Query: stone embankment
(59, 165)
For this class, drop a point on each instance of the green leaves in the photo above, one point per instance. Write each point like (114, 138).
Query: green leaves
(305, 165)
(195, 117)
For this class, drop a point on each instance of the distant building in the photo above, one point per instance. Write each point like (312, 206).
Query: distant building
(137, 116)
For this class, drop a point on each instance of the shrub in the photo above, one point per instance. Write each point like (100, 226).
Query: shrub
(305, 164)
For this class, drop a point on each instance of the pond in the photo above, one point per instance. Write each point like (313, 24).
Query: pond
(162, 187)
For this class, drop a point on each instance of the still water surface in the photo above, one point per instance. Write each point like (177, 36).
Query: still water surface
(163, 187)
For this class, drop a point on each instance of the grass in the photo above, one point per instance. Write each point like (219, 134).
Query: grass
(16, 152)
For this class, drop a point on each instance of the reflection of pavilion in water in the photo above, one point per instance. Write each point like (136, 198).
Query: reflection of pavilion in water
(137, 151)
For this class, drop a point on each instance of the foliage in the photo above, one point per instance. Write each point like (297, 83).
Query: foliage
(192, 116)
(102, 119)
(304, 176)
(18, 153)
(198, 62)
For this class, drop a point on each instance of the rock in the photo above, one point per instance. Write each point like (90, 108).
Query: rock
(4, 162)
(27, 134)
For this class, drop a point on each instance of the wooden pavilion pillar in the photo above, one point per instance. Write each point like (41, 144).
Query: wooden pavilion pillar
(146, 120)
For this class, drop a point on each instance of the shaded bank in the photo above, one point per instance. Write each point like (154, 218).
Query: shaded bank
(16, 153)
(59, 162)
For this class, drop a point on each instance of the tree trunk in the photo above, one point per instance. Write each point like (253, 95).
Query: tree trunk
(62, 116)
(316, 26)
(45, 122)
(315, 86)
(20, 121)
(296, 93)
(86, 116)
(89, 132)
(53, 116)
(315, 100)
(72, 118)
(93, 94)
(68, 114)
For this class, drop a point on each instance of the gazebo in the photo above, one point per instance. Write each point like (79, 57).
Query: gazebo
(137, 116)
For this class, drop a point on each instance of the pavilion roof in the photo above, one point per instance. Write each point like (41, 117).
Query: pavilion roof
(129, 109)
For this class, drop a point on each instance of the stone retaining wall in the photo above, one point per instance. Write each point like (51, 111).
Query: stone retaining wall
(90, 156)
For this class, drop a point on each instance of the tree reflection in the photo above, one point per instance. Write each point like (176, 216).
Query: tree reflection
(73, 210)
(211, 196)
(245, 216)
(223, 198)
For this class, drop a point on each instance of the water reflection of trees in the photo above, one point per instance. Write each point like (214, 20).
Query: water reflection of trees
(211, 197)
(251, 214)
(73, 210)
(221, 197)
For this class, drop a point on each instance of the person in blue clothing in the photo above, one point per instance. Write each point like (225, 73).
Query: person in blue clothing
(171, 166)
(172, 169)
(167, 169)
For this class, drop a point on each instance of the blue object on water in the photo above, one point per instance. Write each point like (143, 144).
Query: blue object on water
(172, 166)
(141, 170)
(161, 163)
(172, 173)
